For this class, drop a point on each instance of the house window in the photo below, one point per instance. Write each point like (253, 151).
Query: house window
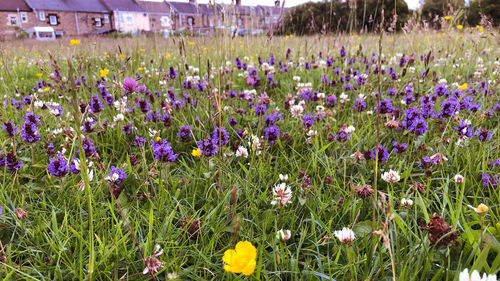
(266, 20)
(120, 17)
(98, 22)
(129, 19)
(275, 18)
(240, 21)
(106, 19)
(165, 21)
(190, 21)
(24, 17)
(211, 22)
(53, 19)
(12, 20)
(42, 15)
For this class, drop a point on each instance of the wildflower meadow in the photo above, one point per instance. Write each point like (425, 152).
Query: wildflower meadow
(325, 157)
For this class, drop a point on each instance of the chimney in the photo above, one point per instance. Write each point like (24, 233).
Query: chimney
(277, 3)
(238, 2)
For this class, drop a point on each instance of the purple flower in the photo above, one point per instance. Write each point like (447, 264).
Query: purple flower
(116, 176)
(399, 147)
(372, 154)
(360, 104)
(208, 146)
(9, 128)
(74, 166)
(427, 162)
(308, 120)
(441, 89)
(331, 101)
(484, 135)
(272, 133)
(224, 136)
(88, 147)
(184, 133)
(172, 73)
(385, 106)
(464, 129)
(162, 150)
(88, 125)
(143, 105)
(129, 85)
(232, 121)
(273, 118)
(127, 129)
(489, 181)
(260, 109)
(29, 132)
(342, 135)
(95, 104)
(11, 161)
(31, 117)
(58, 166)
(139, 141)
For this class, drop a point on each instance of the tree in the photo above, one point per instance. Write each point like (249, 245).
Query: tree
(488, 8)
(369, 13)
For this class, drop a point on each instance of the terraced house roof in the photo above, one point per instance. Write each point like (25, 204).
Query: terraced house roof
(155, 7)
(91, 6)
(122, 5)
(184, 8)
(13, 5)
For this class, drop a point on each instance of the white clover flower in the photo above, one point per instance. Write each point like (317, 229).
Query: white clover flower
(343, 98)
(153, 133)
(296, 78)
(459, 178)
(283, 177)
(284, 235)
(38, 104)
(475, 276)
(406, 202)
(312, 133)
(241, 152)
(172, 275)
(346, 235)
(118, 118)
(282, 195)
(391, 176)
(350, 129)
(296, 111)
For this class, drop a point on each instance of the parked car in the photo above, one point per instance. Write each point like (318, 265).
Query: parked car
(41, 33)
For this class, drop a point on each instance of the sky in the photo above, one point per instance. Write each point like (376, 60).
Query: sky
(412, 4)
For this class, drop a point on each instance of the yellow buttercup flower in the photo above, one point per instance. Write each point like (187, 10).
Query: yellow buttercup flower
(104, 72)
(460, 26)
(242, 259)
(191, 43)
(463, 87)
(196, 152)
(121, 56)
(39, 74)
(74, 42)
(447, 17)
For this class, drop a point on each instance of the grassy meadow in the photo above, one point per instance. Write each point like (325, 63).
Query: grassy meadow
(336, 157)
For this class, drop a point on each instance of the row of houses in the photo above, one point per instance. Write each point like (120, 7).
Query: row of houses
(86, 17)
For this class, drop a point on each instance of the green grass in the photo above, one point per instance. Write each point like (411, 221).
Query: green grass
(231, 196)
